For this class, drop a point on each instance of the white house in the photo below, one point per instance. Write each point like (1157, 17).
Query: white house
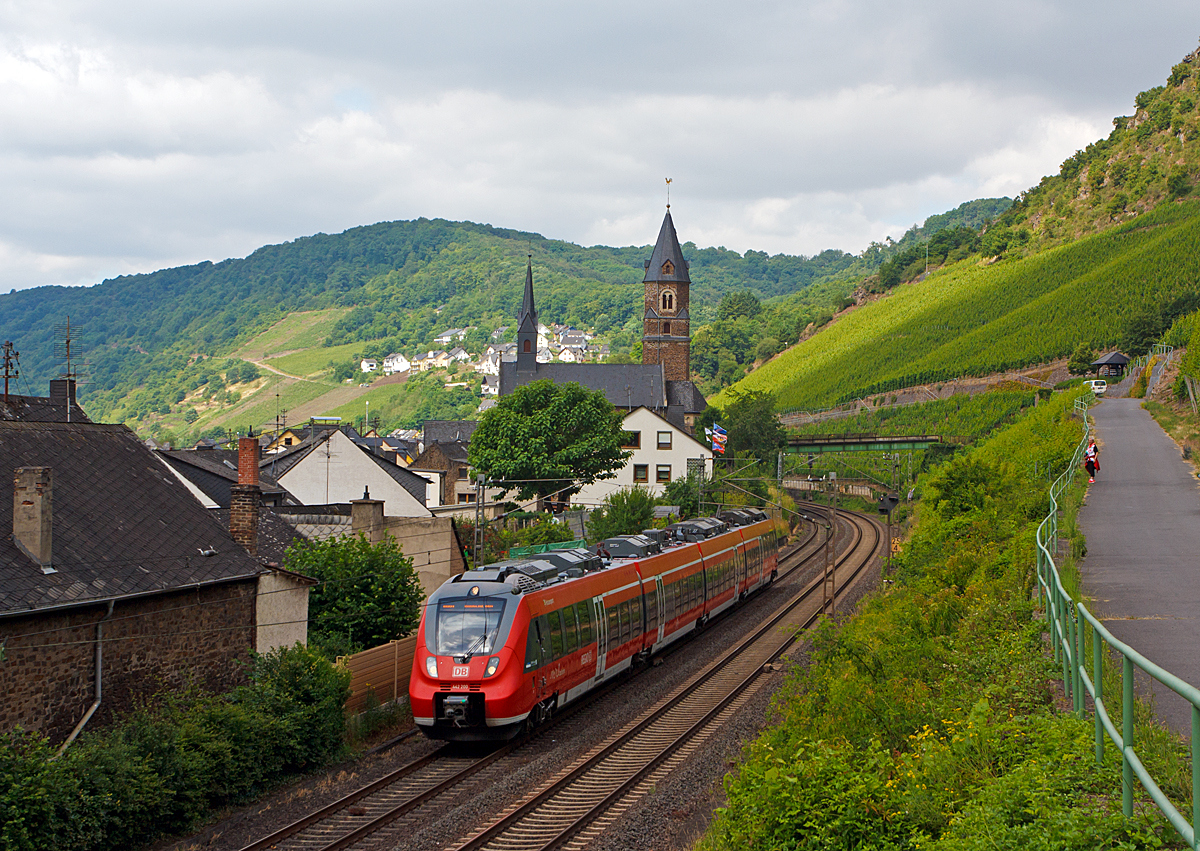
(570, 355)
(369, 365)
(336, 469)
(449, 336)
(394, 363)
(459, 354)
(661, 452)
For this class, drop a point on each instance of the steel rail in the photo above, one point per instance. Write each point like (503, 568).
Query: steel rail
(362, 824)
(612, 770)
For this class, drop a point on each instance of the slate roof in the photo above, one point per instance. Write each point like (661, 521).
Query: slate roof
(122, 523)
(667, 248)
(625, 385)
(448, 431)
(214, 471)
(1111, 359)
(40, 409)
(275, 534)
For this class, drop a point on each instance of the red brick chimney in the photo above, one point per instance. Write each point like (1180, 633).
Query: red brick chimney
(246, 497)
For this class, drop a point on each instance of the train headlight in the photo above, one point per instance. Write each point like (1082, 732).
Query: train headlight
(431, 666)
(492, 665)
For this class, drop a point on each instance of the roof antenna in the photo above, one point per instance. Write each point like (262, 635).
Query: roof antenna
(668, 193)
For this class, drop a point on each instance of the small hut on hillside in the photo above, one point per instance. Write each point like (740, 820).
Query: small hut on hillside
(1113, 363)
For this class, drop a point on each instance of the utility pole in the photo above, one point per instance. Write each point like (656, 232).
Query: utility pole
(10, 365)
(829, 587)
(480, 489)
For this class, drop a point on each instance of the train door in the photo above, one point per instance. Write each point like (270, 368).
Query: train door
(740, 560)
(601, 634)
(537, 654)
(660, 595)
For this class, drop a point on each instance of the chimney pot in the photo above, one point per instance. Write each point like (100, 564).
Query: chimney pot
(33, 503)
(248, 461)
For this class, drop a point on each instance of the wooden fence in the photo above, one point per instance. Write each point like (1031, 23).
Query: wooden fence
(383, 670)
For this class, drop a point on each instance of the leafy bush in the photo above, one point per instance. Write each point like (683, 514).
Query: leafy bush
(927, 720)
(167, 765)
(624, 512)
(369, 593)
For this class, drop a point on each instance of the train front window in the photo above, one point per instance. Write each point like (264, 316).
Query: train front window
(469, 626)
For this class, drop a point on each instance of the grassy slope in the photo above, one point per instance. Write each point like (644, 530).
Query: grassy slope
(975, 319)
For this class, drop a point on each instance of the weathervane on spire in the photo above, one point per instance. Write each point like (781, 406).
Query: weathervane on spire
(668, 193)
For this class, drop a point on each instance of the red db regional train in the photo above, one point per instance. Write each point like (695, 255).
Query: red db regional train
(504, 646)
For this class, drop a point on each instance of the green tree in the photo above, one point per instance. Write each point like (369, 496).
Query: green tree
(1142, 331)
(624, 512)
(547, 440)
(368, 593)
(753, 427)
(1081, 360)
(738, 304)
(685, 493)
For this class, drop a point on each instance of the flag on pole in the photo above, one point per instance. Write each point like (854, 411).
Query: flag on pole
(717, 436)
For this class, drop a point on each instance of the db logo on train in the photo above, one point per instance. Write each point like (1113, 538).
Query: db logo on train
(461, 671)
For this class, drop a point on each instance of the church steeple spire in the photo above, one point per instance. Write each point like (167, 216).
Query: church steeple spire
(666, 334)
(527, 326)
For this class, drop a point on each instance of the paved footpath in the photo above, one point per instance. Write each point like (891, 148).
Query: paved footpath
(1142, 522)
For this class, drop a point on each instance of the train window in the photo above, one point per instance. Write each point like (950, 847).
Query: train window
(652, 612)
(569, 630)
(533, 647)
(583, 613)
(556, 635)
(624, 610)
(468, 626)
(635, 614)
(614, 627)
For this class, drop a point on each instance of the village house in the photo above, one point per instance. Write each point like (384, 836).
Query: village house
(662, 452)
(395, 363)
(334, 468)
(368, 365)
(115, 582)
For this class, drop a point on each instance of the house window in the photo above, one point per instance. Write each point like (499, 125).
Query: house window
(463, 472)
(528, 345)
(666, 329)
(287, 441)
(664, 440)
(633, 440)
(662, 473)
(464, 498)
(668, 268)
(641, 472)
(668, 300)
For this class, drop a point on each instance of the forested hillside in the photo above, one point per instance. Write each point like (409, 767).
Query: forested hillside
(174, 342)
(400, 283)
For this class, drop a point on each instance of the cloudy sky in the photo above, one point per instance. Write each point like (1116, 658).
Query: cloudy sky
(136, 135)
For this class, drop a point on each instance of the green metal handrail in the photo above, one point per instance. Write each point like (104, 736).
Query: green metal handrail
(1067, 620)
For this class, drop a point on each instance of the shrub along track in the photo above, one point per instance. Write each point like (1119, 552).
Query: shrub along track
(410, 797)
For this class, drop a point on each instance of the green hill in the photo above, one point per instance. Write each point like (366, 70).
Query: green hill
(1112, 239)
(975, 318)
(153, 340)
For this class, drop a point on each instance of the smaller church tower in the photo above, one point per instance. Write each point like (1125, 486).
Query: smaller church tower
(666, 330)
(527, 326)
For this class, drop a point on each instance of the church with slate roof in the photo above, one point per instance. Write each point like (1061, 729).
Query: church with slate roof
(662, 381)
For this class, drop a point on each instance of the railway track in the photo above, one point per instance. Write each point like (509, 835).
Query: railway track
(585, 798)
(400, 802)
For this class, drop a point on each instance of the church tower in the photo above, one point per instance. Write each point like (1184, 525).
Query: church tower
(527, 326)
(666, 329)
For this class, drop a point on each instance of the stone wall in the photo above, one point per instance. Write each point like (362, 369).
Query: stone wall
(47, 670)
